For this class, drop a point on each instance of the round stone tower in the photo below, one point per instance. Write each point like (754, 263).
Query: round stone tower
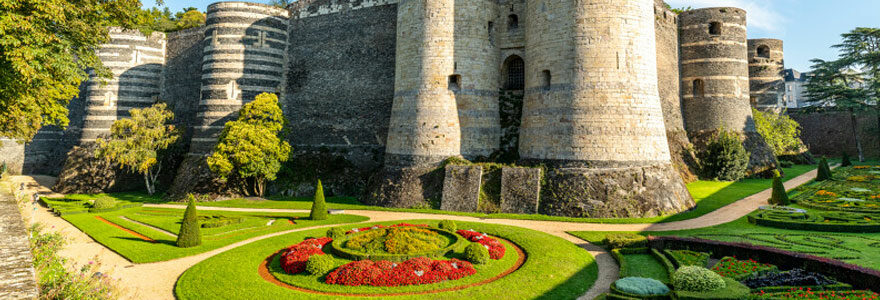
(766, 83)
(592, 111)
(245, 55)
(136, 63)
(715, 80)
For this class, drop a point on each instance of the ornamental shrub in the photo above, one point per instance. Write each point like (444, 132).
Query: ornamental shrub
(476, 253)
(448, 225)
(319, 264)
(724, 157)
(641, 286)
(336, 233)
(104, 203)
(319, 207)
(190, 234)
(845, 162)
(779, 197)
(625, 240)
(780, 131)
(496, 249)
(696, 279)
(824, 172)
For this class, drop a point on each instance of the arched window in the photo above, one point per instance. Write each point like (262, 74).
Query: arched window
(699, 88)
(514, 73)
(715, 28)
(764, 51)
(512, 22)
(547, 78)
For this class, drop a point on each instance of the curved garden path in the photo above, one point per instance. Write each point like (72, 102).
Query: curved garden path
(156, 280)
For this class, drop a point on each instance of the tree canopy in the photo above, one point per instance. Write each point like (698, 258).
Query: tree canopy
(45, 48)
(153, 19)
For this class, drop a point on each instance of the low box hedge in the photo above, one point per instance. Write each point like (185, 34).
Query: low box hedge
(337, 246)
(670, 268)
(813, 226)
(733, 290)
(617, 292)
(833, 287)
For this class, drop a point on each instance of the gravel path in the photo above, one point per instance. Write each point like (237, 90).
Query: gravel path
(163, 275)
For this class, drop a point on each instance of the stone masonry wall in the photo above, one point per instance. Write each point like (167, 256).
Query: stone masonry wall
(830, 133)
(766, 64)
(666, 36)
(17, 275)
(12, 154)
(341, 81)
(182, 76)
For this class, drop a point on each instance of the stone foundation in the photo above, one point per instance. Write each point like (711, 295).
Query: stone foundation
(461, 188)
(406, 188)
(684, 159)
(83, 173)
(624, 192)
(520, 190)
(195, 177)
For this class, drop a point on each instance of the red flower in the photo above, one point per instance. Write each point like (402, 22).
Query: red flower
(293, 260)
(419, 270)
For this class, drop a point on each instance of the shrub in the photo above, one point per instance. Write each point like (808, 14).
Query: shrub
(696, 279)
(724, 157)
(641, 286)
(295, 258)
(104, 203)
(625, 240)
(319, 207)
(496, 249)
(845, 162)
(190, 234)
(781, 132)
(319, 264)
(56, 280)
(448, 225)
(336, 233)
(824, 172)
(476, 253)
(786, 164)
(779, 196)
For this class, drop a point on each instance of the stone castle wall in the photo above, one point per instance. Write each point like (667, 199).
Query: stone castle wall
(181, 85)
(830, 133)
(766, 83)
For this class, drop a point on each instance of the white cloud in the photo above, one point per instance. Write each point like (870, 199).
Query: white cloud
(761, 14)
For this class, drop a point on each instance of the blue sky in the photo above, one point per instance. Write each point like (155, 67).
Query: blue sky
(807, 27)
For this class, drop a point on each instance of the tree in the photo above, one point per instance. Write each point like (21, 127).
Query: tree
(844, 161)
(852, 82)
(190, 234)
(190, 19)
(138, 142)
(45, 49)
(249, 147)
(319, 207)
(779, 196)
(781, 132)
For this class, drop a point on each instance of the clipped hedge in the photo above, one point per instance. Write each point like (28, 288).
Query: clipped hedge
(219, 221)
(670, 268)
(641, 288)
(688, 258)
(338, 248)
(733, 290)
(336, 233)
(813, 222)
(697, 279)
(625, 240)
(104, 203)
(319, 264)
(190, 235)
(476, 254)
(448, 225)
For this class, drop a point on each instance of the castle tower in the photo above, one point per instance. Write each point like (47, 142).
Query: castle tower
(425, 127)
(476, 58)
(245, 55)
(715, 80)
(136, 63)
(592, 110)
(766, 84)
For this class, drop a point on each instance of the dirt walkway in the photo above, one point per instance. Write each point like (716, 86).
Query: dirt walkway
(156, 280)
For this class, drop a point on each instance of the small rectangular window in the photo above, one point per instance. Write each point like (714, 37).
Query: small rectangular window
(454, 82)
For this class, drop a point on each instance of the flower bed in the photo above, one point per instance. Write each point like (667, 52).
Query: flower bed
(688, 258)
(293, 260)
(415, 271)
(397, 240)
(796, 277)
(833, 221)
(739, 269)
(801, 293)
(496, 249)
(362, 229)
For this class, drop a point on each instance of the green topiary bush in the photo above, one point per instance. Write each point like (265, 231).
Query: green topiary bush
(696, 279)
(625, 240)
(104, 203)
(448, 225)
(190, 234)
(779, 197)
(845, 162)
(319, 207)
(336, 233)
(641, 286)
(319, 264)
(724, 157)
(824, 172)
(476, 253)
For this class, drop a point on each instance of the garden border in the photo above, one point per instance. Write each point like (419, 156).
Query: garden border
(858, 277)
(129, 231)
(264, 272)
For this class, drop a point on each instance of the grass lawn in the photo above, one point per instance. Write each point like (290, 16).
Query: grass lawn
(139, 250)
(709, 195)
(644, 265)
(554, 269)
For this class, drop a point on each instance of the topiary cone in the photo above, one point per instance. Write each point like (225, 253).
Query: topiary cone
(779, 197)
(824, 172)
(845, 162)
(190, 232)
(319, 207)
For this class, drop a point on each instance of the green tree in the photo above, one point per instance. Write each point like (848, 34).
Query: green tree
(249, 147)
(190, 234)
(45, 49)
(138, 142)
(319, 206)
(781, 132)
(190, 19)
(852, 82)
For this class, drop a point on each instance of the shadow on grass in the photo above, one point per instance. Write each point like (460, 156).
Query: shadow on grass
(160, 241)
(578, 284)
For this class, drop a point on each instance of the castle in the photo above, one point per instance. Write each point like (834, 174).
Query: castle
(598, 100)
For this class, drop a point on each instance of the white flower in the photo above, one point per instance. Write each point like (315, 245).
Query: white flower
(419, 273)
(455, 265)
(394, 265)
(354, 230)
(479, 237)
(487, 247)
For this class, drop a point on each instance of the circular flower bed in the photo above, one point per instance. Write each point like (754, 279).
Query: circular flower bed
(396, 243)
(421, 270)
(293, 259)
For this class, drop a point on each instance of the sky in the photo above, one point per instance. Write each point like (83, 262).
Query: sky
(808, 28)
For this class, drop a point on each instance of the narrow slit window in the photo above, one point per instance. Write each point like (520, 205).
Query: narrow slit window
(512, 22)
(699, 88)
(547, 78)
